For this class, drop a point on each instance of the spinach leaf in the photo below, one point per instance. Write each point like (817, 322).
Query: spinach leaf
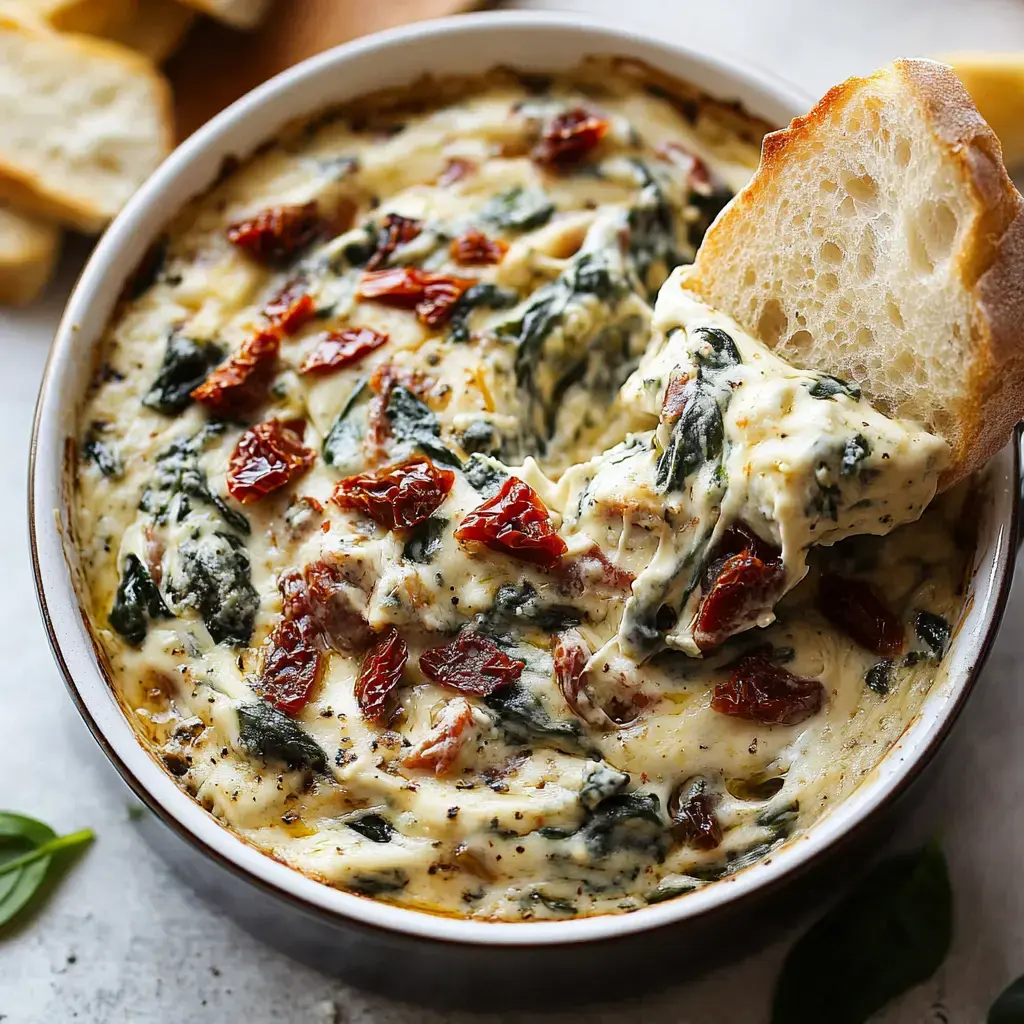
(856, 450)
(552, 903)
(104, 455)
(480, 436)
(178, 477)
(524, 720)
(484, 475)
(879, 677)
(705, 207)
(185, 366)
(30, 853)
(343, 445)
(516, 603)
(934, 632)
(697, 437)
(136, 603)
(1009, 1007)
(373, 827)
(600, 783)
(425, 540)
(379, 883)
(485, 295)
(715, 350)
(265, 732)
(214, 578)
(626, 821)
(519, 209)
(827, 386)
(653, 244)
(889, 934)
(412, 421)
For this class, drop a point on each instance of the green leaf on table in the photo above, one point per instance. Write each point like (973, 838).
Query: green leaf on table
(29, 854)
(889, 934)
(1009, 1007)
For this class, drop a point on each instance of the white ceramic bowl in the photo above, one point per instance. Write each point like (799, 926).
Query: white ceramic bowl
(464, 44)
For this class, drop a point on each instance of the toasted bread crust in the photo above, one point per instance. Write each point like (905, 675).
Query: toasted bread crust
(990, 265)
(37, 196)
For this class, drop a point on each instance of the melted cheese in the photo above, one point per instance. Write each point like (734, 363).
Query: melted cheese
(561, 379)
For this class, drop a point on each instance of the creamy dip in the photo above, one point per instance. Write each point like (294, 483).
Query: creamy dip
(438, 560)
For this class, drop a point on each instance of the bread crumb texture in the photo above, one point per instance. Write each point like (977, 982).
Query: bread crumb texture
(83, 122)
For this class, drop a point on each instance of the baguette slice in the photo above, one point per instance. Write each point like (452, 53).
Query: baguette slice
(996, 84)
(881, 240)
(155, 29)
(237, 13)
(83, 122)
(95, 17)
(28, 252)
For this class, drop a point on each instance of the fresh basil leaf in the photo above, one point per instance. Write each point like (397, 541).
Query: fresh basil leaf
(890, 933)
(29, 852)
(1009, 1007)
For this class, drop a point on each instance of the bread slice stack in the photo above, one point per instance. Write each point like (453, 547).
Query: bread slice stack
(881, 240)
(85, 117)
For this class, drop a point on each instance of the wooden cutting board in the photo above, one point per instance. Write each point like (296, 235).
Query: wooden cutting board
(216, 65)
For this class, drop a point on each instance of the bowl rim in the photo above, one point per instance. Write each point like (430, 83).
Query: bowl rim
(217, 841)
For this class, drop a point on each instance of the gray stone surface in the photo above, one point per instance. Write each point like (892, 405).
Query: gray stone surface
(124, 940)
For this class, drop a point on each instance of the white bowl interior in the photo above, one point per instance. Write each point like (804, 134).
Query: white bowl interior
(466, 44)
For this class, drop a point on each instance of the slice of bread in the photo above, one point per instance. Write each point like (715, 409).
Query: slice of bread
(95, 17)
(28, 252)
(83, 122)
(882, 241)
(996, 84)
(155, 29)
(237, 13)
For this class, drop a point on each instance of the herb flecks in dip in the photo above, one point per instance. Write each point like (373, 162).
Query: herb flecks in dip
(442, 562)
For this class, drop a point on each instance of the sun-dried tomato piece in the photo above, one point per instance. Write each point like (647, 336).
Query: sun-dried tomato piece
(395, 230)
(237, 386)
(474, 248)
(292, 668)
(692, 810)
(341, 348)
(455, 170)
(676, 397)
(440, 748)
(398, 497)
(433, 296)
(676, 153)
(592, 568)
(517, 523)
(290, 308)
(380, 674)
(277, 233)
(267, 457)
(759, 690)
(293, 659)
(569, 137)
(855, 607)
(740, 585)
(470, 664)
(333, 601)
